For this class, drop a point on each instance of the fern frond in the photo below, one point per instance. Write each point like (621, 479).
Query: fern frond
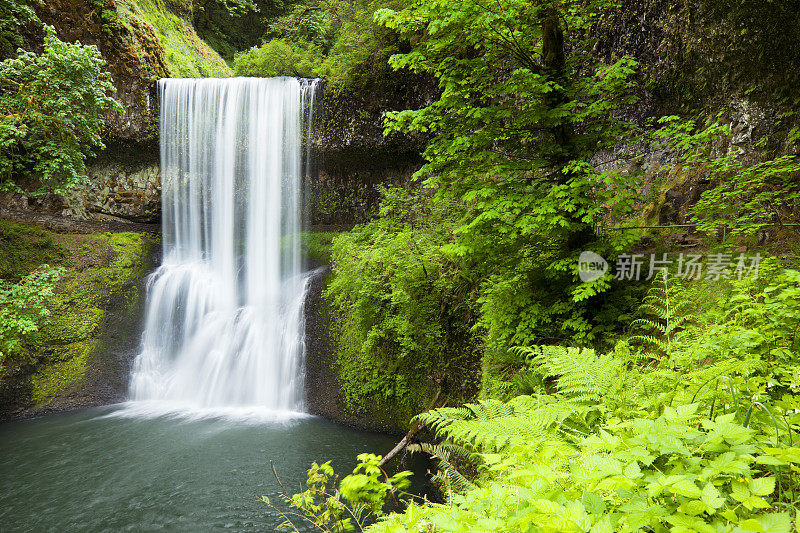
(489, 409)
(443, 451)
(667, 312)
(448, 473)
(580, 374)
(649, 340)
(525, 419)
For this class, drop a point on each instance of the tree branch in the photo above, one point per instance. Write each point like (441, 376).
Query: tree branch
(411, 432)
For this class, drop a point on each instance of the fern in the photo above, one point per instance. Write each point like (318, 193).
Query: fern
(491, 426)
(667, 311)
(581, 375)
(486, 425)
(452, 479)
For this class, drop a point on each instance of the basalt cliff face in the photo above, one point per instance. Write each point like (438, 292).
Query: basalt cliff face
(352, 158)
(706, 58)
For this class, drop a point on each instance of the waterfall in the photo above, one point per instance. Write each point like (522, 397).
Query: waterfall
(224, 323)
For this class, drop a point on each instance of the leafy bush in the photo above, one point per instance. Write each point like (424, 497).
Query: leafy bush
(676, 472)
(401, 309)
(278, 58)
(690, 423)
(23, 308)
(51, 107)
(525, 104)
(419, 299)
(358, 499)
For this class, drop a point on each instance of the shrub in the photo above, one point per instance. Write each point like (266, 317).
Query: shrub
(23, 308)
(337, 40)
(277, 58)
(51, 109)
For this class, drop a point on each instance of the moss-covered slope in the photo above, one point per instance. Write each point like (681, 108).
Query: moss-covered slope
(65, 363)
(185, 54)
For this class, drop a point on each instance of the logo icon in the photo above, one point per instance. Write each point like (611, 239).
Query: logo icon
(591, 266)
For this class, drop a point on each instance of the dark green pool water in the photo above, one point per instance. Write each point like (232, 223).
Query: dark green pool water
(98, 471)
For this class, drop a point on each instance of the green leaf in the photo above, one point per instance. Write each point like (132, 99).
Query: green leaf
(712, 497)
(602, 526)
(769, 460)
(685, 487)
(632, 471)
(755, 502)
(776, 523)
(751, 525)
(739, 491)
(593, 503)
(762, 486)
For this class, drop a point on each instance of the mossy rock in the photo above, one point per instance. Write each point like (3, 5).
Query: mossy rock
(141, 41)
(57, 360)
(24, 248)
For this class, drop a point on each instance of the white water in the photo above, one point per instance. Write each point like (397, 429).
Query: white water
(224, 324)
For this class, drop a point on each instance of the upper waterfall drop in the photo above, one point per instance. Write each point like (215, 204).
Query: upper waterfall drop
(224, 324)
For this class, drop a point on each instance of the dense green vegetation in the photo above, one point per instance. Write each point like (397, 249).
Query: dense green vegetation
(689, 424)
(487, 258)
(403, 310)
(51, 116)
(235, 25)
(185, 55)
(51, 106)
(700, 438)
(23, 308)
(337, 40)
(50, 324)
(603, 407)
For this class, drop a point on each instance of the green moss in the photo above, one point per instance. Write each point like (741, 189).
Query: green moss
(24, 248)
(352, 202)
(379, 392)
(62, 376)
(186, 55)
(96, 266)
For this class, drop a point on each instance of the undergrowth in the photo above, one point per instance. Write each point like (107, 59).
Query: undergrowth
(689, 424)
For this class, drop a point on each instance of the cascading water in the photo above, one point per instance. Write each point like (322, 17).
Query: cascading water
(224, 313)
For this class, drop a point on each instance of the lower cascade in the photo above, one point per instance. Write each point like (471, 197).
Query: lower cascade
(224, 323)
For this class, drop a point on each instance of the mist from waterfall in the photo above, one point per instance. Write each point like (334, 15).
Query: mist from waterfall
(224, 324)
